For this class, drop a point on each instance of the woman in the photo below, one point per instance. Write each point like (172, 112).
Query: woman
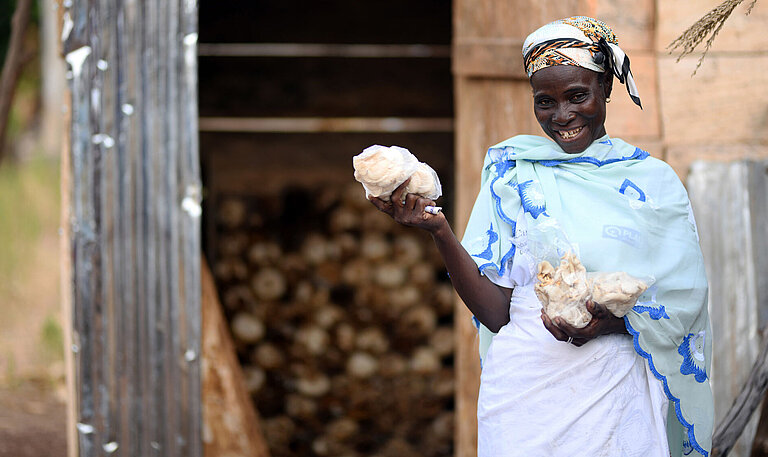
(631, 386)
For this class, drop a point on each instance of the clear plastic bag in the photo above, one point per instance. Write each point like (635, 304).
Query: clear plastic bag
(382, 169)
(424, 182)
(618, 291)
(563, 285)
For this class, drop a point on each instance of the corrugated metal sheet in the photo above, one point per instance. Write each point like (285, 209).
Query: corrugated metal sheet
(729, 200)
(134, 210)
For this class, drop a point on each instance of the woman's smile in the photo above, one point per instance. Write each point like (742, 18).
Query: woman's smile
(569, 134)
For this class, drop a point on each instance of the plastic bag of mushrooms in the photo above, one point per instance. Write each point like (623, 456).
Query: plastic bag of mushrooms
(382, 169)
(565, 290)
(563, 284)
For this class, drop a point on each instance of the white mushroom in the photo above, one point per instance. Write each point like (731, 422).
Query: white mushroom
(382, 169)
(617, 291)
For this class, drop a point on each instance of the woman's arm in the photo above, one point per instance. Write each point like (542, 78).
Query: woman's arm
(487, 301)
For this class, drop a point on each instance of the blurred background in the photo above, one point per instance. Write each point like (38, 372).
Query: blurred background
(32, 392)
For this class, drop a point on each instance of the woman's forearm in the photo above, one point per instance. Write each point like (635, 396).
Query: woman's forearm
(487, 301)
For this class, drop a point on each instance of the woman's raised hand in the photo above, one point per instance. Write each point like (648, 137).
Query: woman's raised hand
(408, 209)
(602, 323)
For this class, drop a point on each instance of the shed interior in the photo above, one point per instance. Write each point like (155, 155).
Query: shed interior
(343, 321)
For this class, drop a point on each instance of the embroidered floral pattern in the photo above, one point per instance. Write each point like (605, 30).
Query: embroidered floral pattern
(692, 351)
(531, 198)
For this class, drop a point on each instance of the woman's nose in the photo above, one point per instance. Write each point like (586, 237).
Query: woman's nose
(562, 115)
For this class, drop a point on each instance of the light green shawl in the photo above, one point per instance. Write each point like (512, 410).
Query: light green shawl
(624, 211)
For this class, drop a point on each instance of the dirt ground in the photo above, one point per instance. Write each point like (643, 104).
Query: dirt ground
(32, 421)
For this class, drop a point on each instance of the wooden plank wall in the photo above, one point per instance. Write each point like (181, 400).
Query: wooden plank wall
(731, 208)
(132, 224)
(720, 113)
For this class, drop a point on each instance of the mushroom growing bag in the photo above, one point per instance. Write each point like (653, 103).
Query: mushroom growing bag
(382, 169)
(564, 286)
(627, 212)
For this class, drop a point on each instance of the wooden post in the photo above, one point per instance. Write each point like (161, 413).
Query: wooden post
(230, 423)
(132, 207)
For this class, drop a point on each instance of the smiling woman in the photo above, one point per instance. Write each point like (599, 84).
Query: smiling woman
(618, 386)
(569, 103)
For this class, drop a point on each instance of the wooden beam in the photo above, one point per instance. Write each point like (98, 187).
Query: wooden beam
(325, 124)
(323, 50)
(489, 58)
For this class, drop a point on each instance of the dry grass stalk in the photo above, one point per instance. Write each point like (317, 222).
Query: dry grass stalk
(710, 25)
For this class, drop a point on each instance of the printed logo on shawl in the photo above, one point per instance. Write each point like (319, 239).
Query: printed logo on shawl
(623, 234)
(692, 351)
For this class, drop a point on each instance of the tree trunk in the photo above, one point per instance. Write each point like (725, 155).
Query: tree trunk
(14, 62)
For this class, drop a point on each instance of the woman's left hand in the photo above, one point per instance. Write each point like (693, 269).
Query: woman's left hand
(602, 323)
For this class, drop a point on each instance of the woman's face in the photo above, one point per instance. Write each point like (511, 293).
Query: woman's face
(569, 103)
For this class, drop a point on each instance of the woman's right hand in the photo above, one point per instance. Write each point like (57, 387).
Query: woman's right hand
(408, 209)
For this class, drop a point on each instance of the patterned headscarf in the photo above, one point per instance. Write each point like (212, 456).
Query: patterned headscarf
(580, 41)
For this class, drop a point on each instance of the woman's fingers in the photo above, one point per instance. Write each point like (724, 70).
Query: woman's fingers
(597, 310)
(579, 335)
(381, 205)
(553, 329)
(411, 200)
(398, 195)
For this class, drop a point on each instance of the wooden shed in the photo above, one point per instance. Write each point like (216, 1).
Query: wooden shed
(228, 129)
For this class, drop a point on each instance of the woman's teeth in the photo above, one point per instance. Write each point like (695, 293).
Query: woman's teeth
(570, 133)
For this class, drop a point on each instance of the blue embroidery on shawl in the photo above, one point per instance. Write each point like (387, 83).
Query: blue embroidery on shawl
(500, 269)
(533, 206)
(650, 306)
(504, 154)
(507, 257)
(653, 312)
(492, 238)
(693, 356)
(497, 201)
(627, 183)
(676, 401)
(639, 154)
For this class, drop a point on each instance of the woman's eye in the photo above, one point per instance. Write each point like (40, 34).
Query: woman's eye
(580, 97)
(545, 103)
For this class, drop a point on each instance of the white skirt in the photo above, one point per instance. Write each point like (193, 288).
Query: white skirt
(543, 397)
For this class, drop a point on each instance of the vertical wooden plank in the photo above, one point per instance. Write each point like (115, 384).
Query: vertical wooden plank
(190, 187)
(66, 253)
(723, 196)
(135, 308)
